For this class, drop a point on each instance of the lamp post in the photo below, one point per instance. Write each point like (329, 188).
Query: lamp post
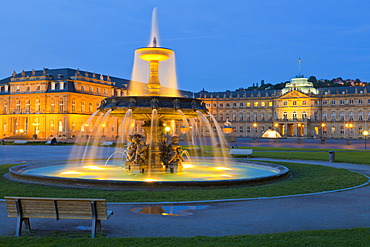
(255, 132)
(365, 133)
(103, 127)
(348, 126)
(322, 133)
(21, 131)
(167, 129)
(34, 137)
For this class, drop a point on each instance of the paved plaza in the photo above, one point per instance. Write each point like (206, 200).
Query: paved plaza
(346, 209)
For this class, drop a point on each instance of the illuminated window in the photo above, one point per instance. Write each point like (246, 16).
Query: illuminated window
(37, 105)
(263, 103)
(83, 106)
(61, 85)
(73, 125)
(38, 88)
(304, 115)
(52, 106)
(53, 86)
(28, 106)
(61, 105)
(60, 126)
(255, 104)
(73, 105)
(270, 103)
(294, 102)
(294, 115)
(285, 115)
(304, 102)
(18, 89)
(248, 104)
(90, 107)
(52, 125)
(18, 106)
(285, 103)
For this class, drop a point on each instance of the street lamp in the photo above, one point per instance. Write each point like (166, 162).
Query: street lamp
(35, 131)
(103, 126)
(365, 133)
(348, 126)
(167, 129)
(322, 133)
(21, 131)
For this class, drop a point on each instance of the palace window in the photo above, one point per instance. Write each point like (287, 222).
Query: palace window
(60, 126)
(38, 88)
(351, 116)
(341, 116)
(5, 126)
(315, 117)
(234, 105)
(368, 116)
(61, 105)
(52, 86)
(333, 116)
(263, 117)
(351, 102)
(82, 88)
(270, 103)
(333, 130)
(105, 91)
(18, 106)
(342, 130)
(360, 101)
(248, 129)
(52, 106)
(221, 105)
(255, 104)
(285, 103)
(37, 105)
(248, 117)
(227, 105)
(90, 107)
(241, 104)
(241, 117)
(28, 106)
(83, 106)
(324, 102)
(324, 118)
(97, 90)
(294, 102)
(5, 107)
(73, 125)
(249, 104)
(294, 115)
(304, 102)
(90, 89)
(73, 105)
(342, 101)
(360, 116)
(263, 103)
(241, 129)
(221, 117)
(255, 117)
(333, 102)
(18, 89)
(28, 89)
(304, 115)
(285, 115)
(234, 117)
(52, 125)
(61, 85)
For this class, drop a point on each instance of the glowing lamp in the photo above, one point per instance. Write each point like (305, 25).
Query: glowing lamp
(167, 129)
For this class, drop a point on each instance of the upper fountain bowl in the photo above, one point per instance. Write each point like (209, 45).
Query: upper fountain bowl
(154, 53)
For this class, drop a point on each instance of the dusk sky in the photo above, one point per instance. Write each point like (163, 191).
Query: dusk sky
(219, 45)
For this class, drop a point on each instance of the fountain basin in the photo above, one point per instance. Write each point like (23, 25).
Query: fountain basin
(201, 174)
(142, 106)
(154, 53)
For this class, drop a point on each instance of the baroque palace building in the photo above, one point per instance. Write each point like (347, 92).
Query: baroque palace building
(298, 110)
(53, 103)
(58, 102)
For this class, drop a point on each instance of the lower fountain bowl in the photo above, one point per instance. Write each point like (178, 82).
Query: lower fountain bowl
(202, 173)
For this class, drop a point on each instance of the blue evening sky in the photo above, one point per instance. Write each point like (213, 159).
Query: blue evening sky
(219, 45)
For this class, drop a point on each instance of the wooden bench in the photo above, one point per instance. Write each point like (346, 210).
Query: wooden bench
(107, 144)
(25, 208)
(20, 142)
(241, 151)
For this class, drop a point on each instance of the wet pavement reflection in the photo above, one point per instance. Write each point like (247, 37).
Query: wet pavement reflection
(169, 210)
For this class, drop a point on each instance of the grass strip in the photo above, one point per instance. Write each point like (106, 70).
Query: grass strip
(306, 179)
(339, 238)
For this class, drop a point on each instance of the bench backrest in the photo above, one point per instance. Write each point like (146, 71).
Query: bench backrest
(59, 208)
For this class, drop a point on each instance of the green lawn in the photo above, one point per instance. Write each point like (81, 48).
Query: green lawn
(342, 156)
(338, 238)
(306, 179)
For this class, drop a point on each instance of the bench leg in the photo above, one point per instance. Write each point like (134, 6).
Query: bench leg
(93, 228)
(18, 230)
(98, 225)
(27, 224)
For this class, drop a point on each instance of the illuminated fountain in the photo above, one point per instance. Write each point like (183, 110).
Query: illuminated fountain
(153, 155)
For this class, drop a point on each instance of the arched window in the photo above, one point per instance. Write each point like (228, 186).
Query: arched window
(28, 106)
(60, 126)
(294, 115)
(285, 115)
(52, 125)
(61, 105)
(6, 107)
(37, 105)
(52, 106)
(83, 106)
(90, 107)
(18, 106)
(73, 105)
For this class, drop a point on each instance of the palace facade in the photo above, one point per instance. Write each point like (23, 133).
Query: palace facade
(298, 110)
(58, 102)
(54, 103)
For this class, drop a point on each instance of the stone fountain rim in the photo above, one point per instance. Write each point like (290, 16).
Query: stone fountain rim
(15, 174)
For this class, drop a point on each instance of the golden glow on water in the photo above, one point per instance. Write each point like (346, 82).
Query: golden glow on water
(220, 168)
(150, 180)
(91, 167)
(187, 165)
(70, 173)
